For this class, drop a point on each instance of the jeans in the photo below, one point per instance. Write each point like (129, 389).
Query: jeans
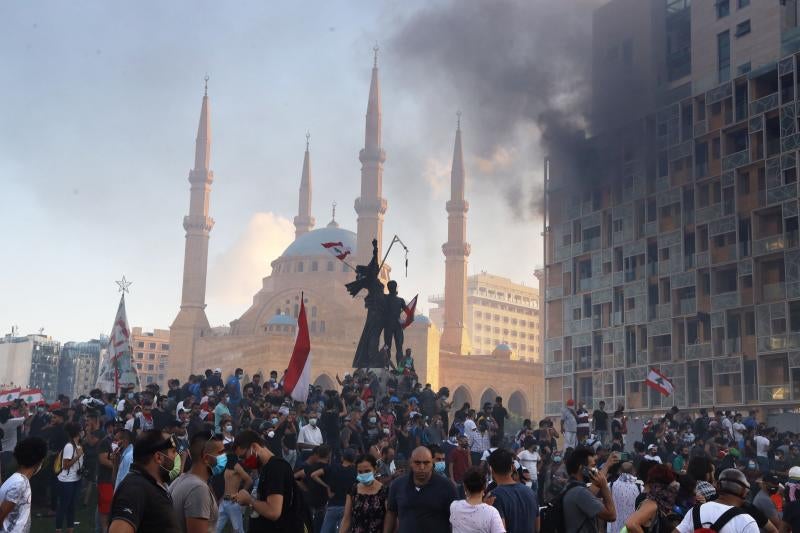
(333, 517)
(67, 497)
(230, 510)
(603, 436)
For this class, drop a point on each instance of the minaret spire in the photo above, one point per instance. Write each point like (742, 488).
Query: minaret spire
(455, 338)
(304, 222)
(371, 206)
(191, 321)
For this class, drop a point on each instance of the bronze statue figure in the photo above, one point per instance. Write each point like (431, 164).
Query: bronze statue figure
(368, 353)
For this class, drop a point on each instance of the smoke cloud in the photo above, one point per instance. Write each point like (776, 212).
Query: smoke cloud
(521, 70)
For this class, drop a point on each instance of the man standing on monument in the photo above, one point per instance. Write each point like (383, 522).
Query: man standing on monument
(392, 328)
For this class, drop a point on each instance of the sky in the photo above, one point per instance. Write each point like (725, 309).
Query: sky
(97, 128)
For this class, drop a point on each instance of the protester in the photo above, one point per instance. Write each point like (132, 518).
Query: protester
(15, 493)
(659, 501)
(365, 504)
(515, 502)
(581, 507)
(723, 514)
(192, 498)
(569, 425)
(235, 478)
(69, 478)
(337, 480)
(472, 514)
(625, 491)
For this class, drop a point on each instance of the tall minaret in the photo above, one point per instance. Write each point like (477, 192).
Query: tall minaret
(191, 321)
(455, 338)
(370, 206)
(304, 222)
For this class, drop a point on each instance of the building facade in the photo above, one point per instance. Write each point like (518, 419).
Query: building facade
(78, 367)
(682, 253)
(261, 339)
(32, 362)
(499, 312)
(150, 351)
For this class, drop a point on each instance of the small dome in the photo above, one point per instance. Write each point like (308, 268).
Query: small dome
(311, 243)
(421, 320)
(502, 347)
(282, 320)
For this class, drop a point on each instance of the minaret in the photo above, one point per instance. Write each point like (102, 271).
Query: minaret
(304, 222)
(191, 321)
(370, 206)
(455, 338)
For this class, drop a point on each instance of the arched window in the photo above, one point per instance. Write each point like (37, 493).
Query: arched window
(330, 266)
(314, 266)
(322, 326)
(300, 266)
(313, 327)
(314, 312)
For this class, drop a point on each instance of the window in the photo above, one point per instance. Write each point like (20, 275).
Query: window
(165, 347)
(300, 266)
(742, 3)
(152, 346)
(794, 316)
(723, 8)
(314, 266)
(140, 344)
(330, 266)
(139, 355)
(151, 356)
(724, 56)
(743, 28)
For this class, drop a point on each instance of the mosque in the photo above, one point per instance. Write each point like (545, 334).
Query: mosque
(262, 338)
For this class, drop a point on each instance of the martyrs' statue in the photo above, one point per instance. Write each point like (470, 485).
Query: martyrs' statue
(368, 354)
(392, 327)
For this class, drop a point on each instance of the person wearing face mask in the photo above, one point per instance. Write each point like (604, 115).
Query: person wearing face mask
(15, 493)
(141, 502)
(227, 431)
(123, 453)
(236, 478)
(365, 504)
(279, 502)
(763, 500)
(725, 512)
(192, 498)
(221, 411)
(310, 435)
(337, 480)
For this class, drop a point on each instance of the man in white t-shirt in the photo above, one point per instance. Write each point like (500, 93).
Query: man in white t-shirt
(739, 430)
(762, 451)
(652, 454)
(529, 457)
(733, 487)
(310, 435)
(15, 494)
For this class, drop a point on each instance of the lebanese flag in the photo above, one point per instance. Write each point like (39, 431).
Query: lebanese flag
(8, 396)
(298, 375)
(658, 381)
(338, 249)
(32, 396)
(408, 311)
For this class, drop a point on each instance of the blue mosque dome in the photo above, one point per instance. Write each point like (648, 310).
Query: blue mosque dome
(311, 243)
(282, 320)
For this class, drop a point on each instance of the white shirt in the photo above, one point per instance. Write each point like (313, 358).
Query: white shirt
(481, 518)
(726, 423)
(10, 433)
(709, 512)
(310, 435)
(17, 490)
(655, 458)
(529, 460)
(71, 474)
(738, 430)
(762, 446)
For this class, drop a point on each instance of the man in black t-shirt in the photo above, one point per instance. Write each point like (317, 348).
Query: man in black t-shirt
(499, 413)
(280, 504)
(337, 481)
(315, 494)
(600, 422)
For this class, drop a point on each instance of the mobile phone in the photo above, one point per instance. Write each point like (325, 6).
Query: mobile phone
(624, 456)
(587, 472)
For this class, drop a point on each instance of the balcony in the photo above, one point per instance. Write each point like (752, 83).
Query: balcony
(767, 245)
(687, 306)
(774, 393)
(725, 300)
(735, 160)
(591, 244)
(661, 354)
(771, 292)
(762, 105)
(698, 351)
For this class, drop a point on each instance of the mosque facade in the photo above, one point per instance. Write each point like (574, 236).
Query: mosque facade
(262, 338)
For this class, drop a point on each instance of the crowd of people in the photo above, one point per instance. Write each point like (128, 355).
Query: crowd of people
(382, 453)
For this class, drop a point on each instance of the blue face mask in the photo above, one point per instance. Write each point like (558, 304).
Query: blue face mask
(274, 421)
(439, 467)
(222, 462)
(367, 478)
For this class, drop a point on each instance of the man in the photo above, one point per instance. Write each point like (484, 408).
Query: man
(681, 460)
(392, 328)
(762, 450)
(460, 460)
(386, 466)
(427, 401)
(192, 497)
(337, 481)
(279, 502)
(315, 494)
(569, 425)
(439, 462)
(733, 488)
(515, 502)
(124, 451)
(770, 485)
(600, 423)
(236, 479)
(310, 435)
(624, 491)
(105, 472)
(214, 381)
(220, 411)
(141, 502)
(500, 414)
(581, 507)
(583, 426)
(15, 494)
(419, 501)
(234, 388)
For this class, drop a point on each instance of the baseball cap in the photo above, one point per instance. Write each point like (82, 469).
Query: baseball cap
(652, 447)
(570, 402)
(794, 473)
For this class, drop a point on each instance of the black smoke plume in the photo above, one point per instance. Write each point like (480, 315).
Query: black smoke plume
(521, 70)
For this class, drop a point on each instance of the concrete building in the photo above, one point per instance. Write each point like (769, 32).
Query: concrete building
(78, 367)
(30, 362)
(500, 314)
(261, 339)
(150, 350)
(681, 251)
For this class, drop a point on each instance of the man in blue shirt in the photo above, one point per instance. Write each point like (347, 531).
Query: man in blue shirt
(124, 441)
(515, 501)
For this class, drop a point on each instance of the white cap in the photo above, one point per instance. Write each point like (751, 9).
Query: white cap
(794, 473)
(218, 371)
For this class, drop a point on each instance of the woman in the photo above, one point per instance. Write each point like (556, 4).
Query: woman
(656, 510)
(9, 426)
(472, 515)
(365, 506)
(69, 479)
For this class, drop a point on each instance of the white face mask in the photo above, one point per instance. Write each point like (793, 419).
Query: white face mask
(114, 446)
(229, 428)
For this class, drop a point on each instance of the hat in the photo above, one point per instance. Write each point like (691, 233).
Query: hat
(794, 473)
(145, 445)
(771, 479)
(283, 411)
(394, 399)
(570, 402)
(218, 371)
(652, 447)
(736, 453)
(413, 399)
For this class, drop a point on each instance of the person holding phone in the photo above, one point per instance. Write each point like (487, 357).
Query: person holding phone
(581, 507)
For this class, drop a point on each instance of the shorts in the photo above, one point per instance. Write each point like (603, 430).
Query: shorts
(105, 493)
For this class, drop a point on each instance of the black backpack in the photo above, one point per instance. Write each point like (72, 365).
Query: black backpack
(717, 526)
(552, 515)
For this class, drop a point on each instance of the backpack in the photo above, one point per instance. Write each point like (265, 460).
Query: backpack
(717, 526)
(552, 515)
(58, 462)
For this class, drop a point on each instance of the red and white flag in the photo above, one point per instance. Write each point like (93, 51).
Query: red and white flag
(298, 375)
(659, 382)
(32, 396)
(337, 249)
(407, 316)
(116, 364)
(8, 396)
